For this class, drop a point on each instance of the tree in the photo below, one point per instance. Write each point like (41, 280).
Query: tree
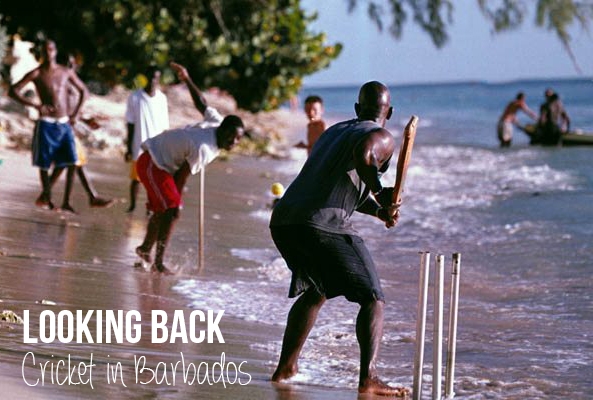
(434, 16)
(257, 50)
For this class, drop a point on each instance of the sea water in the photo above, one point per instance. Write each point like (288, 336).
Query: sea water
(520, 217)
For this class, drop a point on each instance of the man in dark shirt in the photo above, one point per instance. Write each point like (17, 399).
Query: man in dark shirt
(311, 227)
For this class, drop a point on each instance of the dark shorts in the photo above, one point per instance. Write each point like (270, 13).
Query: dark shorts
(334, 264)
(53, 142)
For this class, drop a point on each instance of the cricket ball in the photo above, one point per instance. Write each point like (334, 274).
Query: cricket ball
(277, 189)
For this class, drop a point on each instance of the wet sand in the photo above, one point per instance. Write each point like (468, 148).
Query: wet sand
(56, 261)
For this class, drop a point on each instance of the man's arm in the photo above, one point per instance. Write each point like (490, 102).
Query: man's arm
(529, 111)
(566, 120)
(196, 94)
(371, 156)
(79, 85)
(371, 207)
(181, 176)
(15, 93)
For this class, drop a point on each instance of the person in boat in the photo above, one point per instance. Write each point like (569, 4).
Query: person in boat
(553, 120)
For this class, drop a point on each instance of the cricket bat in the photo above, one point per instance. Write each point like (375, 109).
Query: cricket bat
(405, 153)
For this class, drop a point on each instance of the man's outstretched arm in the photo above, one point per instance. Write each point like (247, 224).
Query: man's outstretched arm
(196, 94)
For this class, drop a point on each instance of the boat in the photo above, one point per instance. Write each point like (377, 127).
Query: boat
(572, 138)
(577, 138)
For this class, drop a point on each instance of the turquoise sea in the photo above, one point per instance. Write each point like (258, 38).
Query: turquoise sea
(522, 219)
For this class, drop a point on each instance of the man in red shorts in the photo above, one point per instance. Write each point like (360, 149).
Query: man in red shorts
(170, 158)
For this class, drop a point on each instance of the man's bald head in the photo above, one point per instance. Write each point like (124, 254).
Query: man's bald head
(374, 102)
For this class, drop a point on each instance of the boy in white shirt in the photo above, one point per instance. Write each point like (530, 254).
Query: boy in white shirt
(147, 115)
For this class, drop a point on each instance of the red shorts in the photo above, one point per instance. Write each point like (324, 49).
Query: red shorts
(160, 185)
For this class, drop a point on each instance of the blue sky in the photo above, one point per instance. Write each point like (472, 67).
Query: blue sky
(472, 53)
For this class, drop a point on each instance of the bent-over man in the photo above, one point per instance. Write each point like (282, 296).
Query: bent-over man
(168, 160)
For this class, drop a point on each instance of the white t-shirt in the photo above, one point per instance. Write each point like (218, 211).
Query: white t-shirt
(195, 144)
(148, 114)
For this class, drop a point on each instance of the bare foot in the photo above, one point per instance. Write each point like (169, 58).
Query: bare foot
(143, 254)
(284, 373)
(379, 388)
(101, 202)
(67, 208)
(160, 268)
(44, 202)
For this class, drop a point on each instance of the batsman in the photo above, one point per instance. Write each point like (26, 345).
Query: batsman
(311, 228)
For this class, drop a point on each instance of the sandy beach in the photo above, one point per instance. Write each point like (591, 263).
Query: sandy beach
(60, 262)
(515, 215)
(55, 261)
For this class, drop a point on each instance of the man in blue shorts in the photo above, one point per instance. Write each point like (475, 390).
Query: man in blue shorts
(53, 141)
(311, 227)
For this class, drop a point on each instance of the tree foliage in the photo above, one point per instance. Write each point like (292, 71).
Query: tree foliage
(434, 16)
(257, 50)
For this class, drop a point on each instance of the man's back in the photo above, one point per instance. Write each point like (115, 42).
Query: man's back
(328, 189)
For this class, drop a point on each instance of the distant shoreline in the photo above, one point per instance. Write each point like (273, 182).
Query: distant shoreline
(307, 88)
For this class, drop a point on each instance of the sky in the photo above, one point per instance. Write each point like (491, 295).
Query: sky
(473, 52)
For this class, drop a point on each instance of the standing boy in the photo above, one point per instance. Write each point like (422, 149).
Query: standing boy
(147, 115)
(94, 199)
(314, 110)
(54, 139)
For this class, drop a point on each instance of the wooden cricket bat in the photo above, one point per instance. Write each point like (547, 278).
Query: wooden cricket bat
(405, 153)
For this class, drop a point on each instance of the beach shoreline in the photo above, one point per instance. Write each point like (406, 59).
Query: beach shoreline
(61, 262)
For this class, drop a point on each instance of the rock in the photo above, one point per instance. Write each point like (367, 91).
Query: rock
(10, 317)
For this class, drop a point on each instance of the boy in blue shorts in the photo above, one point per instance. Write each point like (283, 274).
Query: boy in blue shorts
(53, 141)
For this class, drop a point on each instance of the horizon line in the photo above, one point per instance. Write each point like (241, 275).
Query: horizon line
(451, 82)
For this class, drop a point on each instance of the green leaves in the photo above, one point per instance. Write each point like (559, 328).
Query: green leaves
(258, 51)
(434, 16)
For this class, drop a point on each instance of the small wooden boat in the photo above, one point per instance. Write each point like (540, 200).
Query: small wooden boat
(572, 138)
(577, 138)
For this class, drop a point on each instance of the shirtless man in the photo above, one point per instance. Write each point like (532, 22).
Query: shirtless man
(311, 228)
(94, 199)
(53, 141)
(509, 118)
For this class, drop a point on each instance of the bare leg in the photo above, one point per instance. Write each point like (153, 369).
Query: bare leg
(68, 190)
(168, 220)
(152, 231)
(369, 331)
(55, 175)
(133, 194)
(301, 318)
(94, 199)
(44, 199)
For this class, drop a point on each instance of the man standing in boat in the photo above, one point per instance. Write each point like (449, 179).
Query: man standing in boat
(553, 120)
